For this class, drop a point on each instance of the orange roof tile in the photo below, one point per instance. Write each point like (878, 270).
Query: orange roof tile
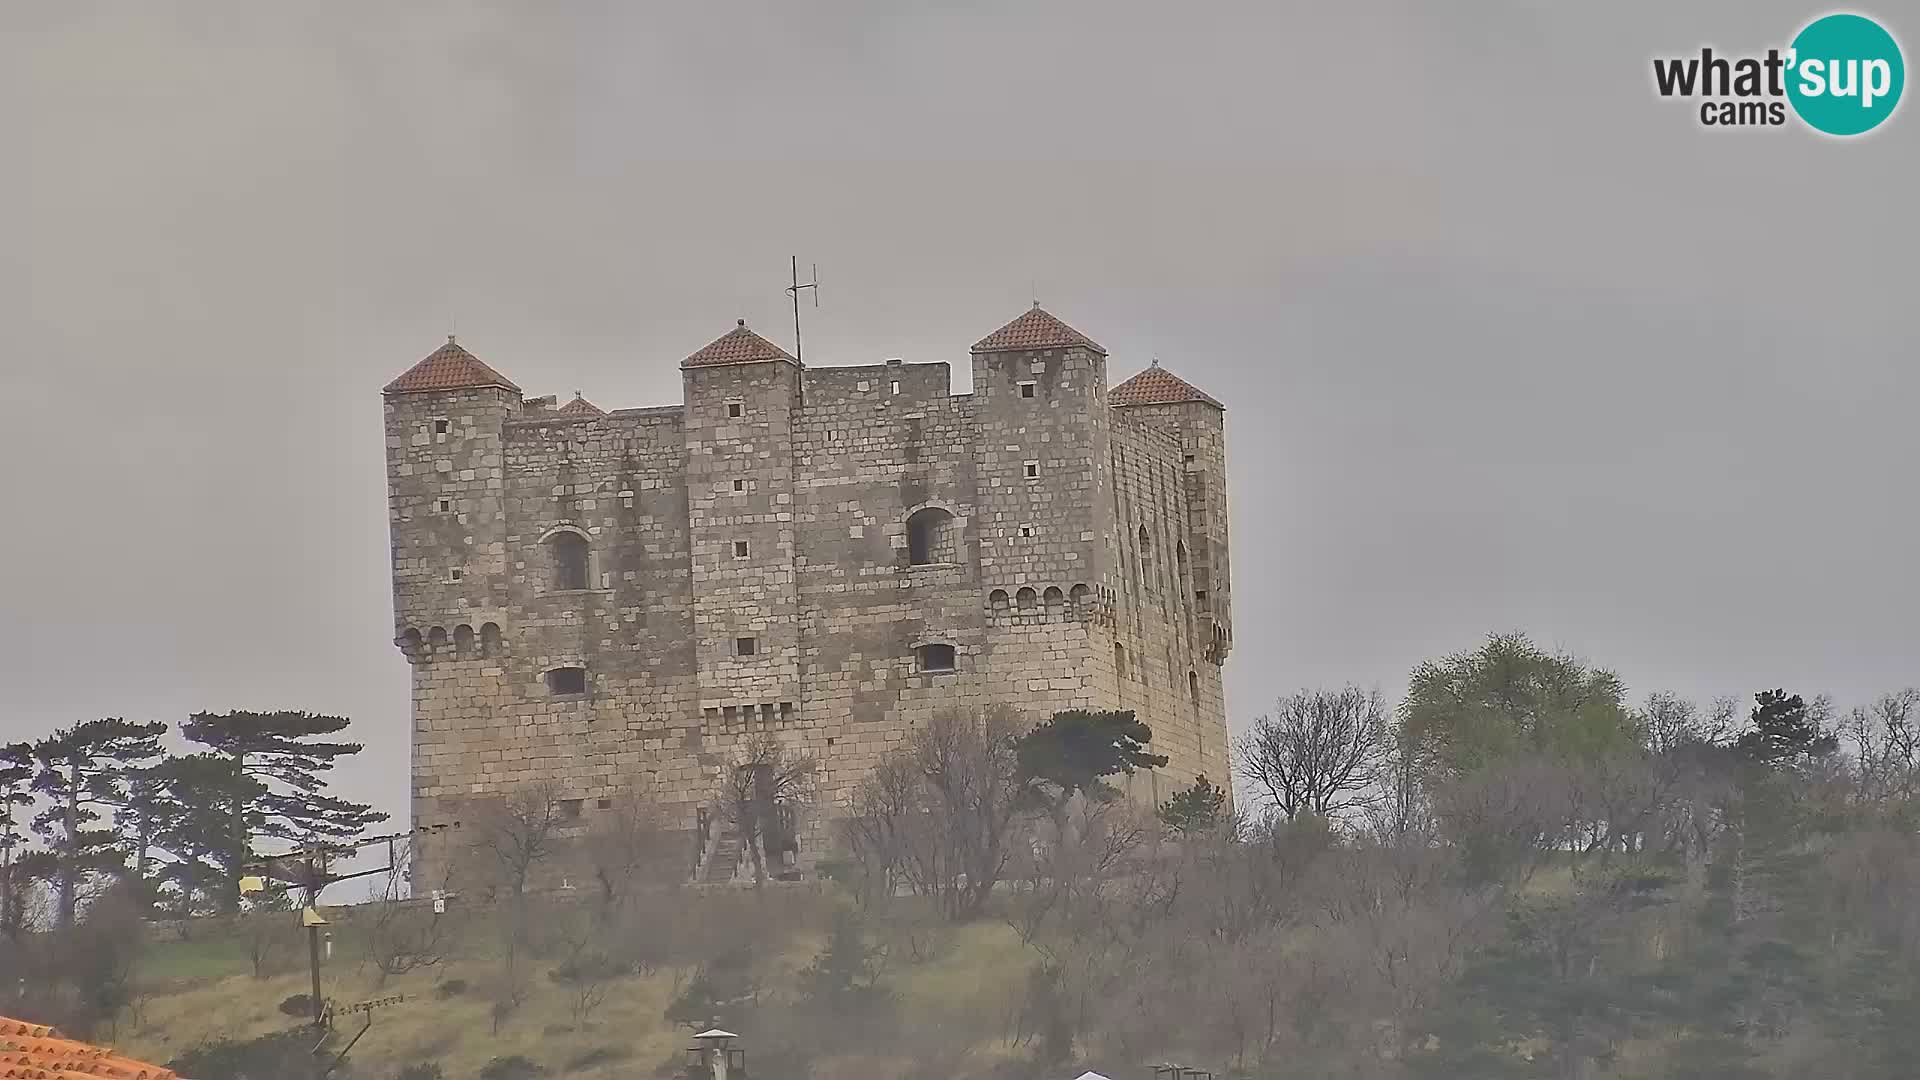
(737, 346)
(38, 1052)
(448, 367)
(1035, 329)
(1157, 386)
(580, 406)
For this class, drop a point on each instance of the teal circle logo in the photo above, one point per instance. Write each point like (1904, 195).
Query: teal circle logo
(1845, 74)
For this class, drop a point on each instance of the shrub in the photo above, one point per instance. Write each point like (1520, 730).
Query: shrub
(300, 1005)
(422, 1070)
(599, 1055)
(511, 1067)
(283, 1055)
(451, 988)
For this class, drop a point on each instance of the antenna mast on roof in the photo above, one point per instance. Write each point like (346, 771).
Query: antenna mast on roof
(794, 291)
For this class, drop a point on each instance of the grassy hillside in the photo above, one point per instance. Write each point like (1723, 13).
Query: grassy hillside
(952, 987)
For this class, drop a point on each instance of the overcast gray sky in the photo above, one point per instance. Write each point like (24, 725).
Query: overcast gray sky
(1507, 342)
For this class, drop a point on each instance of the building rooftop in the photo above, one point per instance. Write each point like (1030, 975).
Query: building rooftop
(1035, 329)
(580, 406)
(737, 346)
(448, 367)
(1158, 386)
(38, 1052)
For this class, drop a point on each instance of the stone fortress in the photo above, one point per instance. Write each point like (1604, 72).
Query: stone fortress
(611, 601)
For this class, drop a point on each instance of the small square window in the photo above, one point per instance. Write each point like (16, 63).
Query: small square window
(444, 505)
(739, 549)
(936, 658)
(746, 646)
(441, 427)
(570, 809)
(567, 680)
(735, 410)
(456, 574)
(1188, 458)
(1026, 530)
(739, 485)
(1026, 389)
(1033, 470)
(603, 804)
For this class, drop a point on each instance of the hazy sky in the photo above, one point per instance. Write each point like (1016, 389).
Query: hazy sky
(1507, 342)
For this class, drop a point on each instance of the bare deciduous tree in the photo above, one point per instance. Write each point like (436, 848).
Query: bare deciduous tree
(627, 845)
(767, 782)
(1320, 753)
(940, 814)
(402, 935)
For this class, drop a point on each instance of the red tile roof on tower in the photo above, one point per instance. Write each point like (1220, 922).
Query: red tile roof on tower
(737, 346)
(41, 1053)
(448, 367)
(580, 406)
(1158, 386)
(1035, 329)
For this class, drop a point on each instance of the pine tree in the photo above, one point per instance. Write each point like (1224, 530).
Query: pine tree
(84, 771)
(1195, 809)
(178, 830)
(1075, 751)
(284, 754)
(16, 780)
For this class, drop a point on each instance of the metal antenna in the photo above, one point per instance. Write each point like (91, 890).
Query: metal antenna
(794, 291)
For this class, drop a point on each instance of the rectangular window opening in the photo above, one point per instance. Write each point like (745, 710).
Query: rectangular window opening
(565, 681)
(936, 658)
(739, 549)
(570, 809)
(735, 410)
(746, 646)
(739, 485)
(444, 505)
(1032, 470)
(603, 804)
(1026, 389)
(456, 574)
(441, 427)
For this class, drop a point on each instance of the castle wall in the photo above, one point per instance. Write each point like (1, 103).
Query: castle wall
(1036, 575)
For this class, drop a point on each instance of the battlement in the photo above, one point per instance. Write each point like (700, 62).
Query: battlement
(612, 599)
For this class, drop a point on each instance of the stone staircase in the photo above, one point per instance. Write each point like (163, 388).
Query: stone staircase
(722, 860)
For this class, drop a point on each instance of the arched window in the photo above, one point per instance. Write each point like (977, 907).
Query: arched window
(1193, 687)
(1119, 660)
(463, 641)
(1055, 600)
(1079, 596)
(1180, 562)
(490, 639)
(997, 603)
(437, 639)
(1146, 549)
(935, 658)
(1026, 600)
(411, 644)
(930, 537)
(568, 552)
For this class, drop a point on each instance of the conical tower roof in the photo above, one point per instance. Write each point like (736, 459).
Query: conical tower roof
(448, 367)
(1158, 386)
(737, 346)
(1036, 328)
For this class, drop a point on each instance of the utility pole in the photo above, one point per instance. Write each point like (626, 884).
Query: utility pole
(794, 291)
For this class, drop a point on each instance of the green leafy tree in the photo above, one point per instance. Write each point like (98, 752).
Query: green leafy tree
(1198, 808)
(1073, 753)
(285, 755)
(179, 827)
(84, 772)
(1508, 698)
